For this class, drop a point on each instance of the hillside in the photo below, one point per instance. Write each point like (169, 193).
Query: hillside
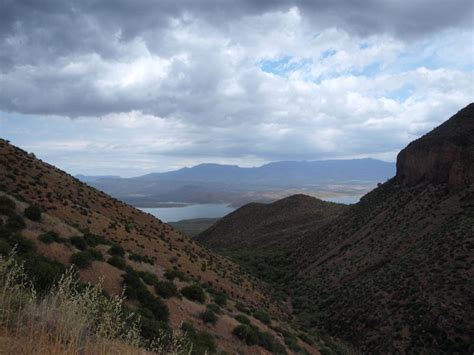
(394, 272)
(260, 227)
(169, 278)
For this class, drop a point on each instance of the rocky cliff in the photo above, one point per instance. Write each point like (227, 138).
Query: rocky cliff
(444, 155)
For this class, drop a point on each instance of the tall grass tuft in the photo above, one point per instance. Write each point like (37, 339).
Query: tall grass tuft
(72, 318)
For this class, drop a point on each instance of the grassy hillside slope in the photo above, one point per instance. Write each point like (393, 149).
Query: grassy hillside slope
(168, 278)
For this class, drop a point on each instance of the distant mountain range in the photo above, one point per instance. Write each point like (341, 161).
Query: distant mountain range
(206, 183)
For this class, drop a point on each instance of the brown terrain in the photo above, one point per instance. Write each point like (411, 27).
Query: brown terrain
(393, 273)
(73, 209)
(259, 226)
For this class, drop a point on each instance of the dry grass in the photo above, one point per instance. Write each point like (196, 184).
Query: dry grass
(70, 319)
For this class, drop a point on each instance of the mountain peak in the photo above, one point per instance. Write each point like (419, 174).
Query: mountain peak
(444, 155)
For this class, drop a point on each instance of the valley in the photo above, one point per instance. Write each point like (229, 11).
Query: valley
(390, 273)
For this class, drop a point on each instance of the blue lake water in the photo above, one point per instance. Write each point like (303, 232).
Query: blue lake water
(174, 214)
(215, 210)
(350, 199)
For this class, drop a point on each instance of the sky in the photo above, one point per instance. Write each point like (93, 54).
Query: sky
(130, 87)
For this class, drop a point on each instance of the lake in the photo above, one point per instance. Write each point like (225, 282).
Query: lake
(174, 214)
(215, 210)
(348, 200)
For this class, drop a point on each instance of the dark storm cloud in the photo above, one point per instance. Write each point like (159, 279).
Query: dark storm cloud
(59, 27)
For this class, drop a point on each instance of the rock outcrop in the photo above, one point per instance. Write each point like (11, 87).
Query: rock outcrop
(443, 156)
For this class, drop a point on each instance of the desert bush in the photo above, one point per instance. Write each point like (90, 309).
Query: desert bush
(157, 307)
(291, 342)
(33, 213)
(78, 242)
(117, 261)
(214, 307)
(141, 258)
(5, 247)
(194, 293)
(203, 342)
(50, 237)
(95, 254)
(208, 316)
(7, 206)
(21, 244)
(134, 288)
(148, 277)
(242, 319)
(94, 240)
(242, 308)
(15, 223)
(82, 259)
(220, 298)
(42, 272)
(175, 274)
(116, 250)
(251, 335)
(262, 316)
(166, 289)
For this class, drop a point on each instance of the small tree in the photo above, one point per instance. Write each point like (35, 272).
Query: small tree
(194, 293)
(33, 213)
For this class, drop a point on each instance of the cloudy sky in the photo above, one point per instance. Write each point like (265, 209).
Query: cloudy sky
(129, 87)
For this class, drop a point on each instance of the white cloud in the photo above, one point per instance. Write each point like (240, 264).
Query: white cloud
(262, 87)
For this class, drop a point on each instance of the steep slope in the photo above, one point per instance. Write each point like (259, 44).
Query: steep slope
(259, 227)
(116, 244)
(394, 273)
(445, 155)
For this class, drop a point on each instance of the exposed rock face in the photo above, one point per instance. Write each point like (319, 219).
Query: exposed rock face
(444, 155)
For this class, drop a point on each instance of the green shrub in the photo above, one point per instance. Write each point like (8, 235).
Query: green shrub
(194, 293)
(251, 335)
(262, 316)
(220, 298)
(7, 206)
(248, 334)
(96, 254)
(82, 259)
(43, 272)
(291, 342)
(175, 274)
(33, 213)
(306, 338)
(15, 223)
(166, 289)
(151, 328)
(208, 316)
(117, 250)
(148, 277)
(50, 237)
(78, 242)
(242, 319)
(117, 261)
(23, 245)
(157, 307)
(203, 342)
(135, 289)
(94, 240)
(5, 247)
(214, 307)
(141, 258)
(242, 308)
